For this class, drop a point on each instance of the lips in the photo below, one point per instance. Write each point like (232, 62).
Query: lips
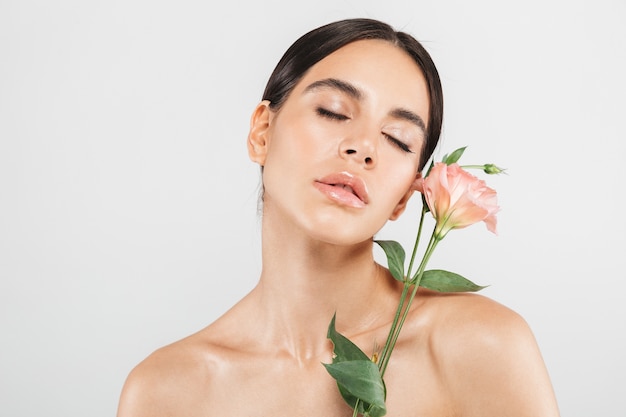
(344, 188)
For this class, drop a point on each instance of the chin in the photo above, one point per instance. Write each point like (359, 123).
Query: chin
(336, 229)
(341, 236)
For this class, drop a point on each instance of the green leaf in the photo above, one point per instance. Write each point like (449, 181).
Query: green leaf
(351, 399)
(344, 349)
(375, 411)
(364, 407)
(454, 156)
(346, 352)
(361, 379)
(445, 281)
(395, 257)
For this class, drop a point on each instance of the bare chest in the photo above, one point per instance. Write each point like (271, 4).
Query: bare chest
(260, 390)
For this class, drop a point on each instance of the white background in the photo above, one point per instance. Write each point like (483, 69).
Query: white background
(128, 204)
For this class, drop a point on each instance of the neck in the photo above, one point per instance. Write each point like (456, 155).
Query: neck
(305, 282)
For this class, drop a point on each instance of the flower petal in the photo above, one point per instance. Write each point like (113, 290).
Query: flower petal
(458, 199)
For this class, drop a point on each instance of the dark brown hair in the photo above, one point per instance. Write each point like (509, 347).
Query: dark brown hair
(317, 44)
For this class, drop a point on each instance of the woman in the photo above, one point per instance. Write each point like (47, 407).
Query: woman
(348, 120)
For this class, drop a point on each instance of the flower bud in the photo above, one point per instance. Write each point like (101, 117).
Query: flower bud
(492, 169)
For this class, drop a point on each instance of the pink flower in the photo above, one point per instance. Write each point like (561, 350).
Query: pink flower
(458, 199)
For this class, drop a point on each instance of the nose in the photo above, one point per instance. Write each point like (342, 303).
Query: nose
(361, 151)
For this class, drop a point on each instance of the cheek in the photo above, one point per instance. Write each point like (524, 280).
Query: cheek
(292, 155)
(298, 135)
(399, 173)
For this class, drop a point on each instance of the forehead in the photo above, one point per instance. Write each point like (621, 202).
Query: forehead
(379, 69)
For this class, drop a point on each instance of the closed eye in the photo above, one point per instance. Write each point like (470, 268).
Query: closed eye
(330, 115)
(403, 146)
(340, 117)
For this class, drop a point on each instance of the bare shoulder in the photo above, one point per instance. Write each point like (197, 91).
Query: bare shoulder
(475, 315)
(488, 357)
(474, 326)
(168, 380)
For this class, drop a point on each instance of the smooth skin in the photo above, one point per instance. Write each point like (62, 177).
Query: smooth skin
(458, 354)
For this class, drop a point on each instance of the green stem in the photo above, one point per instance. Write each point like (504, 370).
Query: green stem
(386, 351)
(393, 332)
(417, 240)
(432, 244)
(356, 407)
(415, 282)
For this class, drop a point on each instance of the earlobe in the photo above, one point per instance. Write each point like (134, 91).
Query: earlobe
(258, 138)
(401, 206)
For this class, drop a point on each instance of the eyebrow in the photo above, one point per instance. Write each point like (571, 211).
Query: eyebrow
(336, 84)
(354, 92)
(409, 116)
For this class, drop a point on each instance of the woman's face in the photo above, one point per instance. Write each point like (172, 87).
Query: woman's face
(342, 153)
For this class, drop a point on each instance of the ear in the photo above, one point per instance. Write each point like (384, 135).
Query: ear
(258, 138)
(401, 206)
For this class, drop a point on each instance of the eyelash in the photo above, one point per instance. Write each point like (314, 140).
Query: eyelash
(403, 146)
(331, 115)
(340, 117)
